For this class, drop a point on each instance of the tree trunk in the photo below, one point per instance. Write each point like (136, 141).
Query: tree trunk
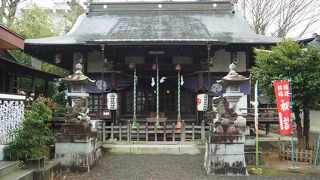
(2, 9)
(306, 125)
(296, 111)
(11, 14)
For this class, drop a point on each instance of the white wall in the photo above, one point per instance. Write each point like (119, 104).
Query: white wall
(315, 121)
(94, 62)
(222, 60)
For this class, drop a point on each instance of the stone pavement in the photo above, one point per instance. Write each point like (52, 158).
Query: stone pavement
(163, 167)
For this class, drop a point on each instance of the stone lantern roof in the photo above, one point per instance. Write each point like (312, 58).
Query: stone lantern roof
(78, 76)
(233, 76)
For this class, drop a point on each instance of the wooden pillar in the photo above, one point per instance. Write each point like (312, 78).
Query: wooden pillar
(200, 80)
(114, 114)
(2, 80)
(267, 128)
(101, 104)
(113, 80)
(85, 62)
(11, 81)
(249, 59)
(199, 115)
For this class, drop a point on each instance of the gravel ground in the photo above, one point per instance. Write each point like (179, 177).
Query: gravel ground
(153, 167)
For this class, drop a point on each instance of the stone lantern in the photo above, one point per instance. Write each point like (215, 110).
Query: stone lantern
(224, 153)
(233, 94)
(77, 84)
(76, 143)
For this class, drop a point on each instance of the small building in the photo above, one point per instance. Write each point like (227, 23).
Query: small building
(112, 40)
(14, 74)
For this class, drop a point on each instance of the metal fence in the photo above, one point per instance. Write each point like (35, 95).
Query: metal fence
(147, 133)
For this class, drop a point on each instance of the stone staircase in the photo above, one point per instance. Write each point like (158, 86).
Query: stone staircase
(10, 170)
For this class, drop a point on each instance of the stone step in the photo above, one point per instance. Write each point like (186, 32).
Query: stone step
(6, 167)
(118, 148)
(20, 174)
(51, 169)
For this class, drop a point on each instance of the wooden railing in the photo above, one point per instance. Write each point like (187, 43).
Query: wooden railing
(146, 132)
(301, 155)
(266, 115)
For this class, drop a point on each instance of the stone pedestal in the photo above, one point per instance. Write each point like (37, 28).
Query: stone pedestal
(76, 147)
(224, 153)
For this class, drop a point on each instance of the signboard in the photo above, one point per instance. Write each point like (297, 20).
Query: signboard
(282, 92)
(112, 101)
(106, 114)
(202, 102)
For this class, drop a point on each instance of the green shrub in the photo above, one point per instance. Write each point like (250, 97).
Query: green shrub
(43, 112)
(34, 138)
(59, 99)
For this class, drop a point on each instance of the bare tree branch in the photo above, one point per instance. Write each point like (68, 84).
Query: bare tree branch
(280, 17)
(12, 9)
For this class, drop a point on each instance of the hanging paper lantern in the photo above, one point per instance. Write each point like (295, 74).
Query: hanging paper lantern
(112, 101)
(202, 102)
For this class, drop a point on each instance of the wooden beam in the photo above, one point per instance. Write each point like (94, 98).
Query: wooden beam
(200, 80)
(9, 39)
(113, 80)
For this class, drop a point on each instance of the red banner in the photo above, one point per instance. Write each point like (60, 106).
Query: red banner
(282, 91)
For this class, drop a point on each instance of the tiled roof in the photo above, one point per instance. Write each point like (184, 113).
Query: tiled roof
(173, 25)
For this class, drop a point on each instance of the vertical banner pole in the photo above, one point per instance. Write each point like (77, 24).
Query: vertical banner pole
(179, 79)
(178, 125)
(292, 120)
(157, 116)
(134, 96)
(256, 121)
(317, 152)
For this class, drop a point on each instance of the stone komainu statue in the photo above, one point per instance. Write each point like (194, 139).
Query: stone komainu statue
(78, 113)
(221, 113)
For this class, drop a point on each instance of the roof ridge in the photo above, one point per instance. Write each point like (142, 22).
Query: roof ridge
(161, 6)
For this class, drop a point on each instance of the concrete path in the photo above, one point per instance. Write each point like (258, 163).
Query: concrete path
(163, 167)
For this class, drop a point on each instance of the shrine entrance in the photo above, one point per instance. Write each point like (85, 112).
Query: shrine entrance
(146, 101)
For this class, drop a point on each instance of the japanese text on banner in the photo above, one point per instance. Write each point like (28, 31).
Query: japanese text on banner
(282, 92)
